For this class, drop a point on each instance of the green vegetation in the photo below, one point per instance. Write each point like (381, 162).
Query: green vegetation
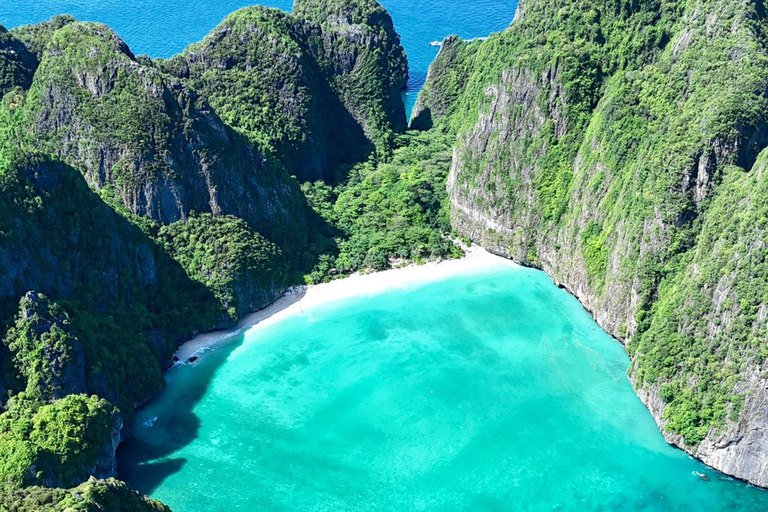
(447, 79)
(707, 325)
(36, 37)
(593, 241)
(244, 270)
(54, 443)
(389, 212)
(17, 63)
(149, 140)
(91, 496)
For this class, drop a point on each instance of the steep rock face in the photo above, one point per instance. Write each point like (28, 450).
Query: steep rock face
(256, 72)
(446, 80)
(357, 48)
(596, 147)
(58, 237)
(47, 352)
(17, 63)
(717, 304)
(33, 259)
(148, 139)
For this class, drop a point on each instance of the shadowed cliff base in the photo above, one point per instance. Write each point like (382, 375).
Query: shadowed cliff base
(141, 460)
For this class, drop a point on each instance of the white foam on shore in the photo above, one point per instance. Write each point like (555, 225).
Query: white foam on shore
(301, 299)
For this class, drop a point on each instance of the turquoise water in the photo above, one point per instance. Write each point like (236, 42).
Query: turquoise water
(162, 28)
(490, 391)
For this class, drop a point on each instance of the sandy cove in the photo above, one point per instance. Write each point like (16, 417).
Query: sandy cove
(299, 299)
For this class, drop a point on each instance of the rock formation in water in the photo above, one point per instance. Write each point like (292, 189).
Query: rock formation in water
(619, 146)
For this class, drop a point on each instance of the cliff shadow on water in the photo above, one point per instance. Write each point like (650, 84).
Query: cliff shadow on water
(144, 458)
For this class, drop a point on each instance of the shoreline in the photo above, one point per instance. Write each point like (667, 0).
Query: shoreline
(298, 298)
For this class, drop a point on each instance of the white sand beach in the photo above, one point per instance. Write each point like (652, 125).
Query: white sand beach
(301, 298)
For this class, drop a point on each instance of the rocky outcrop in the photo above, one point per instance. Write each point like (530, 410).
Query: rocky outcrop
(359, 51)
(313, 89)
(257, 73)
(46, 350)
(145, 138)
(92, 496)
(446, 81)
(578, 161)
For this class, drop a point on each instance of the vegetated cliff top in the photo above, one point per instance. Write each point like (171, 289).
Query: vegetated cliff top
(91, 496)
(257, 72)
(36, 37)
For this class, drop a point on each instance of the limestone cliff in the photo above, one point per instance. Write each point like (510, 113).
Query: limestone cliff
(146, 138)
(597, 141)
(257, 72)
(359, 51)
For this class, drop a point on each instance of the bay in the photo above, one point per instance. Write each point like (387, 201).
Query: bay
(489, 390)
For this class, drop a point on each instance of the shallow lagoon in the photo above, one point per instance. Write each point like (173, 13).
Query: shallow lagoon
(489, 390)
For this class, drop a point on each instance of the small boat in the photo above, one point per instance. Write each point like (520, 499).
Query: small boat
(436, 43)
(702, 476)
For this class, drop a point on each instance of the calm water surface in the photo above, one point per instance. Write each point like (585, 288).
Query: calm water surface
(162, 28)
(489, 391)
